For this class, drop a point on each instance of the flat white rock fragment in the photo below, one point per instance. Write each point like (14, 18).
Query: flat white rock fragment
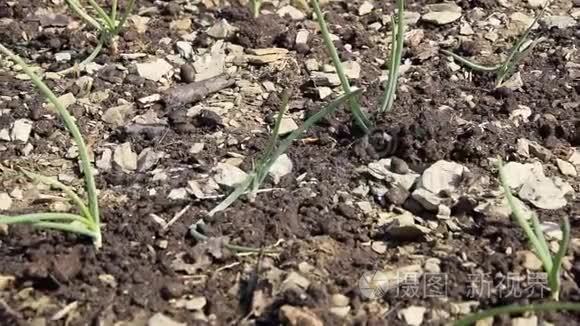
(5, 201)
(21, 130)
(382, 170)
(281, 167)
(442, 13)
(228, 175)
(413, 315)
(442, 176)
(154, 70)
(125, 158)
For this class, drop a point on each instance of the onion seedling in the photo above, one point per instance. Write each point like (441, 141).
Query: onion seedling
(255, 6)
(250, 186)
(521, 49)
(552, 265)
(255, 179)
(395, 61)
(105, 23)
(360, 118)
(516, 309)
(535, 234)
(87, 221)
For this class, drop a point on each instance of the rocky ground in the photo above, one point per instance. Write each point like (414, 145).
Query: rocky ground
(418, 203)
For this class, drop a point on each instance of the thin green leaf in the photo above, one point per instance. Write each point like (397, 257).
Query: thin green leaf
(78, 9)
(521, 220)
(123, 20)
(471, 64)
(517, 46)
(66, 228)
(67, 190)
(276, 131)
(305, 126)
(86, 61)
(395, 63)
(42, 217)
(240, 190)
(360, 118)
(103, 15)
(114, 10)
(554, 274)
(202, 238)
(516, 309)
(76, 134)
(539, 233)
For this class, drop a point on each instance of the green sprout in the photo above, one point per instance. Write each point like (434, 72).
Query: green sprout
(396, 54)
(105, 23)
(395, 61)
(552, 265)
(360, 118)
(87, 221)
(535, 234)
(250, 186)
(516, 309)
(274, 149)
(521, 49)
(255, 6)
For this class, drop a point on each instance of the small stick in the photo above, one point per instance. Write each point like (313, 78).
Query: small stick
(196, 91)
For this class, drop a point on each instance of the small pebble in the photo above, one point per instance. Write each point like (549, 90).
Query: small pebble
(187, 73)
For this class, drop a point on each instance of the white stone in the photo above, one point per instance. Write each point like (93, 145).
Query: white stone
(184, 49)
(561, 22)
(542, 193)
(287, 125)
(427, 199)
(441, 17)
(177, 194)
(125, 158)
(466, 29)
(160, 319)
(293, 12)
(413, 315)
(324, 92)
(525, 321)
(281, 167)
(21, 130)
(229, 175)
(302, 37)
(366, 8)
(221, 30)
(210, 65)
(325, 78)
(381, 170)
(119, 115)
(154, 70)
(5, 134)
(104, 163)
(62, 57)
(352, 69)
(537, 3)
(5, 201)
(566, 168)
(442, 176)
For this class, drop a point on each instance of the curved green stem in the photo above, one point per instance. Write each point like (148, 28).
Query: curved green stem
(87, 60)
(360, 118)
(200, 237)
(395, 63)
(67, 228)
(43, 217)
(75, 132)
